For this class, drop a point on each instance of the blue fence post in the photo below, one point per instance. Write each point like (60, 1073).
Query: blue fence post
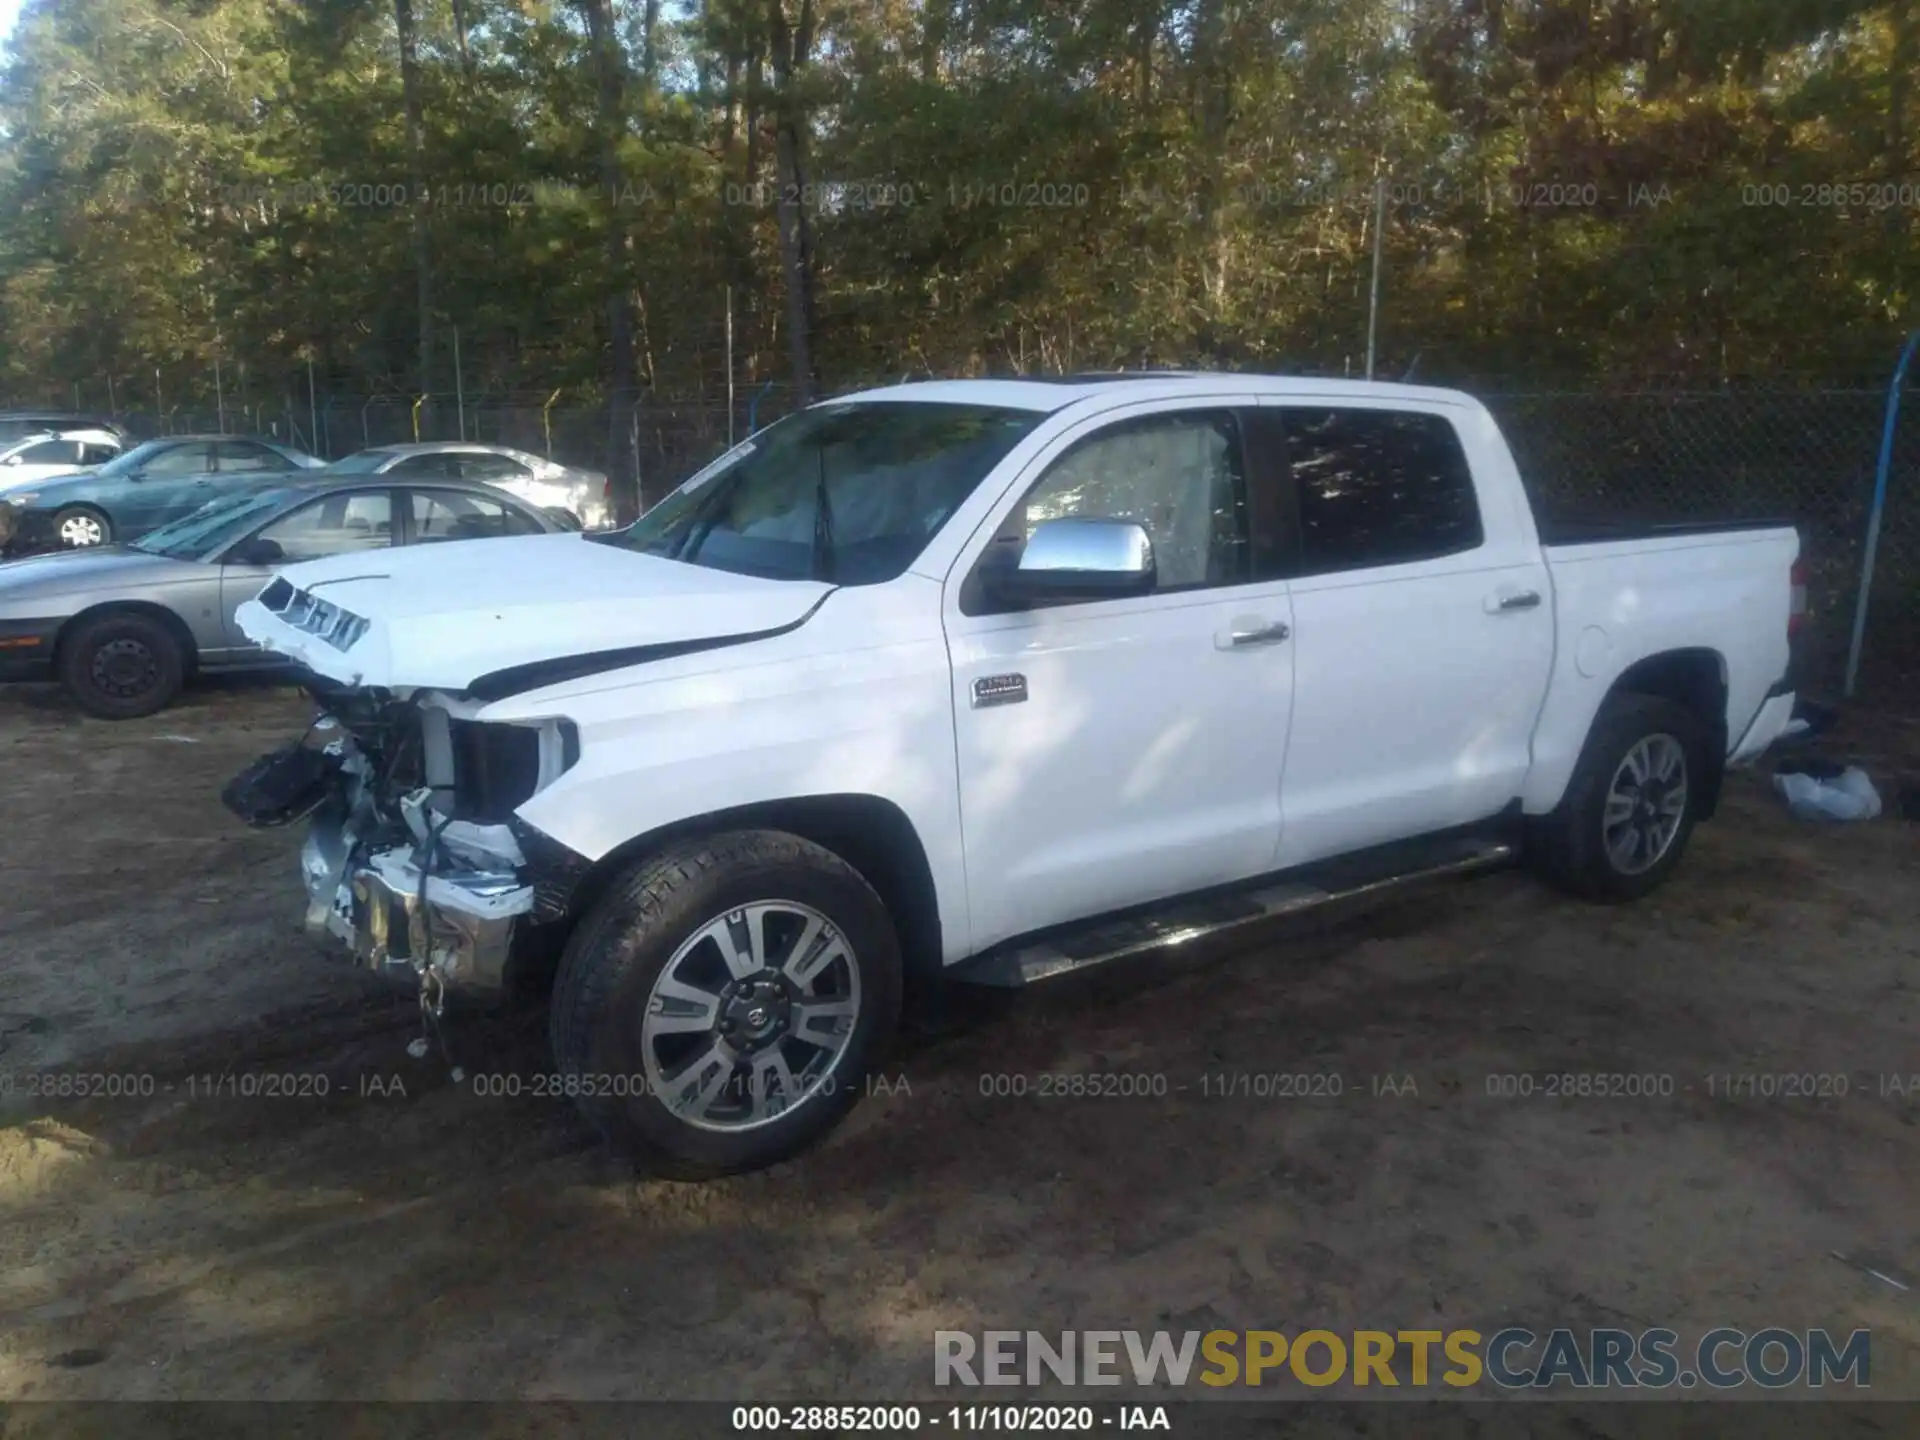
(1894, 392)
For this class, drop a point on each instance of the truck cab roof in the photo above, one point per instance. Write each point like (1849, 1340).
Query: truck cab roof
(1051, 393)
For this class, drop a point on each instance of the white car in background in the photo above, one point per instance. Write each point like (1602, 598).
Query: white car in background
(580, 495)
(62, 452)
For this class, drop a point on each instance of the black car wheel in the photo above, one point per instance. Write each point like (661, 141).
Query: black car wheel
(121, 666)
(80, 526)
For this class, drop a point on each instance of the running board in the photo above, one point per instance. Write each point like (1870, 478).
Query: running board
(1180, 922)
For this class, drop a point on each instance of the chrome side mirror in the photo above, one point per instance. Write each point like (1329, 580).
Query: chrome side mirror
(1078, 559)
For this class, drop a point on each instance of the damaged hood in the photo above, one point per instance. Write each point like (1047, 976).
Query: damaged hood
(493, 617)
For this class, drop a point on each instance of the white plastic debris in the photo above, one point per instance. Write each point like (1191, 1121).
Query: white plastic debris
(1848, 796)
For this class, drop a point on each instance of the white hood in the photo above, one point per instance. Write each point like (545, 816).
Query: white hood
(441, 616)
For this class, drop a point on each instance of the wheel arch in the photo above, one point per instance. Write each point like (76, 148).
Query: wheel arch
(178, 628)
(871, 833)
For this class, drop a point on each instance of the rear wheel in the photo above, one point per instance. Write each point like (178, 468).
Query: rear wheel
(1631, 805)
(81, 526)
(123, 665)
(719, 1009)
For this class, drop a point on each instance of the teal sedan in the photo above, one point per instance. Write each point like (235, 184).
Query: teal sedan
(151, 485)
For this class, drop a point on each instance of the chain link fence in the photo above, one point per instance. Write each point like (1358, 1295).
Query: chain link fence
(1808, 457)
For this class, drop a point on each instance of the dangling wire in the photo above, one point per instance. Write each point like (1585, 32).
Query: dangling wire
(433, 990)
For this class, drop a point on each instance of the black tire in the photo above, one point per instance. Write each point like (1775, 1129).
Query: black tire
(81, 516)
(122, 665)
(1572, 845)
(625, 944)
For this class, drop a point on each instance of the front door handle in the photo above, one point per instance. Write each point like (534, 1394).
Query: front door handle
(1513, 600)
(1247, 633)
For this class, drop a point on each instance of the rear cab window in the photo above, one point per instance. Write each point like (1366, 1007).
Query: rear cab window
(1374, 487)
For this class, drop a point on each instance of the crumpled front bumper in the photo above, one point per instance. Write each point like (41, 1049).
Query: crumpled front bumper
(453, 928)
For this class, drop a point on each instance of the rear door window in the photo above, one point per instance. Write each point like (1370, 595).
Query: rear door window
(459, 515)
(1378, 487)
(435, 465)
(242, 456)
(493, 469)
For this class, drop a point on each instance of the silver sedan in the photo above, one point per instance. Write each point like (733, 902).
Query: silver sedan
(577, 493)
(122, 626)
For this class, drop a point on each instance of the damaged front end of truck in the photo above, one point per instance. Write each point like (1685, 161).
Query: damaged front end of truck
(413, 857)
(411, 779)
(413, 860)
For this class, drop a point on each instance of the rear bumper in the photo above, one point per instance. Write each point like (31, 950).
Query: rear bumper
(26, 649)
(1775, 713)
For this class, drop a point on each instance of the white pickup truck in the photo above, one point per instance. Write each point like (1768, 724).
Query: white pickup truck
(989, 680)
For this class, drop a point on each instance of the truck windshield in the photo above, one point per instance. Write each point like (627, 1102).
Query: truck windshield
(845, 493)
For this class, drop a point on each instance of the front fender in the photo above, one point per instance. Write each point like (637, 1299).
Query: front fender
(792, 718)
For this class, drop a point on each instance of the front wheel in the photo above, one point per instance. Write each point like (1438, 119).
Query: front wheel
(81, 526)
(1631, 805)
(720, 1007)
(122, 665)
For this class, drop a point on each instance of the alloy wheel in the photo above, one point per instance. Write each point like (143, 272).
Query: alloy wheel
(82, 530)
(1645, 804)
(749, 1017)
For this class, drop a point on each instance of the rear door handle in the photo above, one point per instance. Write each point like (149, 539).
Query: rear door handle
(1510, 600)
(1246, 633)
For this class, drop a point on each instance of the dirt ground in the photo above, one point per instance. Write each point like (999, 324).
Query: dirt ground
(402, 1236)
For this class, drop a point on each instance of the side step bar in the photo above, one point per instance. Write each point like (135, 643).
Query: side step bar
(1181, 922)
